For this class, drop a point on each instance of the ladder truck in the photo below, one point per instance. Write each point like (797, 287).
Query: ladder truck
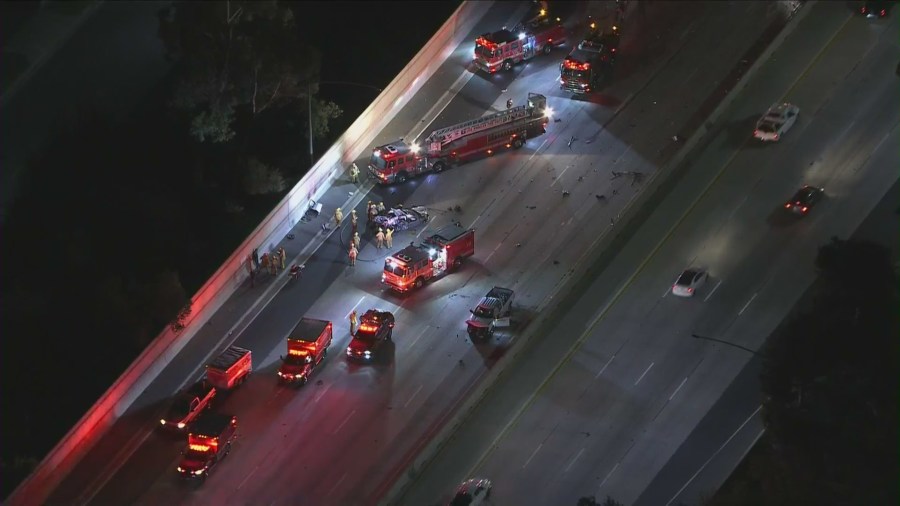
(398, 161)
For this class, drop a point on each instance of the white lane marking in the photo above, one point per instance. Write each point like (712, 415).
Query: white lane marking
(714, 455)
(605, 366)
(532, 455)
(492, 253)
(358, 303)
(747, 304)
(645, 373)
(558, 177)
(322, 393)
(608, 475)
(573, 461)
(712, 291)
(538, 150)
(339, 427)
(416, 340)
(336, 485)
(668, 289)
(413, 396)
(420, 232)
(248, 477)
(677, 389)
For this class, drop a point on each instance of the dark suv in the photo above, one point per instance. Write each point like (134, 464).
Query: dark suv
(804, 199)
(375, 328)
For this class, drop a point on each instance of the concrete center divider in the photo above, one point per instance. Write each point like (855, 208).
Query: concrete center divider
(359, 137)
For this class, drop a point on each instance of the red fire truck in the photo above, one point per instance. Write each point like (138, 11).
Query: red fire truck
(209, 441)
(397, 161)
(505, 48)
(230, 369)
(307, 346)
(588, 65)
(412, 266)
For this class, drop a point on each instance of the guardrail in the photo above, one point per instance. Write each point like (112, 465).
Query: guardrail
(231, 274)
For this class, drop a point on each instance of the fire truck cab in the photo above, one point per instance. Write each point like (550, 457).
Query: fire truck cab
(395, 162)
(412, 266)
(588, 65)
(504, 48)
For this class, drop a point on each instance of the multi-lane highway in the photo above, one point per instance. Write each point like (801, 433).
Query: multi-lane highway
(615, 400)
(346, 436)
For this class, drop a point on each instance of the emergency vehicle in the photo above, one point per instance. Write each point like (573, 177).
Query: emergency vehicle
(307, 346)
(209, 441)
(230, 369)
(375, 329)
(398, 161)
(502, 49)
(588, 65)
(412, 266)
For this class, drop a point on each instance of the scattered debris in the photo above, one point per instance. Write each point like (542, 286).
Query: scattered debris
(600, 196)
(518, 245)
(290, 237)
(565, 194)
(556, 262)
(531, 207)
(580, 178)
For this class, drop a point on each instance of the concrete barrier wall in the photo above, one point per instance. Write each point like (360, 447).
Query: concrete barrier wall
(627, 218)
(228, 278)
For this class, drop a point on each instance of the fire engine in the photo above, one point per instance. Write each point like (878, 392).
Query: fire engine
(397, 161)
(504, 48)
(412, 266)
(588, 65)
(208, 443)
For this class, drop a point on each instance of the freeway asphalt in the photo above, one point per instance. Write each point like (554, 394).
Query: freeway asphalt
(619, 400)
(342, 441)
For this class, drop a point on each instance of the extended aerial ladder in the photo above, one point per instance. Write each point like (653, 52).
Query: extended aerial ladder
(439, 139)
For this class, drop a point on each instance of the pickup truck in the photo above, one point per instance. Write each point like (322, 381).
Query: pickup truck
(491, 312)
(188, 406)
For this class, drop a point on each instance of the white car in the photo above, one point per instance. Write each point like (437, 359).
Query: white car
(689, 281)
(472, 492)
(777, 121)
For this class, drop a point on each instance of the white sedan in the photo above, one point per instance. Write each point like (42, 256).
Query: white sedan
(689, 281)
(472, 492)
(777, 121)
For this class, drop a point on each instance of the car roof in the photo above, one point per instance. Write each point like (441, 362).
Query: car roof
(687, 276)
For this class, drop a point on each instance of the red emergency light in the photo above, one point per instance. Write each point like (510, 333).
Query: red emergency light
(368, 327)
(299, 353)
(481, 41)
(575, 65)
(199, 448)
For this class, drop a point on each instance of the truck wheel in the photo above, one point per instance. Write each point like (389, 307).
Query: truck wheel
(518, 143)
(401, 177)
(438, 167)
(390, 334)
(418, 282)
(302, 382)
(507, 65)
(457, 263)
(547, 49)
(325, 353)
(227, 450)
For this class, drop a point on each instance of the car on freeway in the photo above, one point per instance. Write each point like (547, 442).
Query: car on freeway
(876, 8)
(472, 492)
(689, 282)
(375, 328)
(402, 218)
(776, 122)
(188, 406)
(804, 199)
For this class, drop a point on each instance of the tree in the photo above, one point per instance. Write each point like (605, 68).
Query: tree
(237, 57)
(260, 179)
(830, 380)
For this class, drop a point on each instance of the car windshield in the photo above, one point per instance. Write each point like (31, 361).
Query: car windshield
(766, 127)
(180, 407)
(461, 499)
(574, 74)
(483, 51)
(365, 335)
(686, 278)
(377, 161)
(484, 312)
(394, 268)
(296, 359)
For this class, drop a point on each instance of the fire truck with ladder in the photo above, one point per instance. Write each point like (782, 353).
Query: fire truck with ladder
(443, 251)
(398, 161)
(502, 49)
(590, 64)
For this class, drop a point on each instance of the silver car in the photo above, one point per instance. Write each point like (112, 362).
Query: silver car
(689, 281)
(472, 492)
(776, 122)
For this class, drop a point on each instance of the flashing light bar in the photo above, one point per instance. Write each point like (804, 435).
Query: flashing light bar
(300, 353)
(199, 448)
(574, 65)
(365, 327)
